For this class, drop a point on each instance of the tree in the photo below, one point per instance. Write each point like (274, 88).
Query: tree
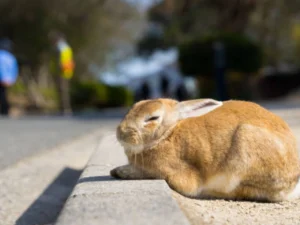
(94, 28)
(184, 19)
(272, 24)
(269, 22)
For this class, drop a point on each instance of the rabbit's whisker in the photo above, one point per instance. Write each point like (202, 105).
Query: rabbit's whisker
(142, 159)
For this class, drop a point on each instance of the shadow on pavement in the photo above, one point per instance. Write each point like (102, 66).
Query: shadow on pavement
(48, 205)
(96, 179)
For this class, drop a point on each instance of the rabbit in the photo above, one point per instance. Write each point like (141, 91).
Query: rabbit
(206, 148)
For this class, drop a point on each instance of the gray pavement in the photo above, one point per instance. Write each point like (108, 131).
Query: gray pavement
(20, 138)
(100, 199)
(97, 198)
(41, 159)
(34, 190)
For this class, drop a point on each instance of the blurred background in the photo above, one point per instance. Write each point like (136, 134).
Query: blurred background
(122, 51)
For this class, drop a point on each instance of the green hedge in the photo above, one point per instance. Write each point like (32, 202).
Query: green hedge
(92, 94)
(242, 54)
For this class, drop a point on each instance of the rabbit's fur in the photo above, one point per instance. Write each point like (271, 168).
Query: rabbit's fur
(206, 148)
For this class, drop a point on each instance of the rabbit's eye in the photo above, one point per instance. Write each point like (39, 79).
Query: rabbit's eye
(153, 118)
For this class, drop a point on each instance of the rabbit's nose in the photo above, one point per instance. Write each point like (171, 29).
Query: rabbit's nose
(122, 131)
(127, 134)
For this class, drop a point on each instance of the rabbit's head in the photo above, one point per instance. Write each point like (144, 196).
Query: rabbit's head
(151, 121)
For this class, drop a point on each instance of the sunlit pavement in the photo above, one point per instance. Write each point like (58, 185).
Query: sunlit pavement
(95, 188)
(290, 113)
(28, 135)
(20, 138)
(26, 155)
(41, 159)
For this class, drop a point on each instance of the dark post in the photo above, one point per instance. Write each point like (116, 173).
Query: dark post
(219, 68)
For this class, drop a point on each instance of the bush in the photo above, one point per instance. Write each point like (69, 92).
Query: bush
(92, 94)
(242, 55)
(119, 96)
(18, 88)
(87, 94)
(49, 94)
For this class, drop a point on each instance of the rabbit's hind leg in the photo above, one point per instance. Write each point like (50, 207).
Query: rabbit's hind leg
(251, 193)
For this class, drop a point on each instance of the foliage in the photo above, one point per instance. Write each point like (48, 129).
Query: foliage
(87, 94)
(242, 55)
(119, 96)
(92, 94)
(50, 94)
(272, 24)
(18, 88)
(269, 22)
(92, 27)
(100, 32)
(186, 19)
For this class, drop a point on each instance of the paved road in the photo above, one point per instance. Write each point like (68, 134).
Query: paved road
(27, 136)
(24, 137)
(31, 135)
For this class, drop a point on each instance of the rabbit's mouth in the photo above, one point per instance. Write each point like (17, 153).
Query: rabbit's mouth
(132, 148)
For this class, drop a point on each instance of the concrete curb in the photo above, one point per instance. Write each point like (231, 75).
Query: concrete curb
(100, 199)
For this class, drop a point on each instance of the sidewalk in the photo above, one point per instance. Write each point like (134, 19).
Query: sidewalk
(34, 190)
(100, 199)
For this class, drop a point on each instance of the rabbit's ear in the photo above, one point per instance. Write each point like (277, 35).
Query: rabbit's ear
(199, 107)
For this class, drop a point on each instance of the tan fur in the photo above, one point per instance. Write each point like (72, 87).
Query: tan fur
(237, 151)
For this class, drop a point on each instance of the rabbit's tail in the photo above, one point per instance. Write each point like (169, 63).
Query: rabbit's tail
(295, 193)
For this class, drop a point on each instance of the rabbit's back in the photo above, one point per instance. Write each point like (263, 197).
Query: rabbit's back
(237, 112)
(242, 144)
(213, 134)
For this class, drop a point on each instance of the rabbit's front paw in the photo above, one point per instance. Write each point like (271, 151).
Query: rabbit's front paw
(127, 172)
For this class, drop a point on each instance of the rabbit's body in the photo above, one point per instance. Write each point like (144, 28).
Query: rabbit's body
(239, 150)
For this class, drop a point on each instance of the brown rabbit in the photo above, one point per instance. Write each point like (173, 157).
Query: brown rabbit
(207, 148)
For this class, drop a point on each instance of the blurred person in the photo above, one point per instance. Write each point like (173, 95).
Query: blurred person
(145, 91)
(64, 69)
(8, 73)
(182, 93)
(165, 87)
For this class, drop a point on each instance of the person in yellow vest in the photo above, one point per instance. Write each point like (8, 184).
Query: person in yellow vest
(64, 67)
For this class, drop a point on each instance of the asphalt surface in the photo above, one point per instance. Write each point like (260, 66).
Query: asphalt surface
(20, 138)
